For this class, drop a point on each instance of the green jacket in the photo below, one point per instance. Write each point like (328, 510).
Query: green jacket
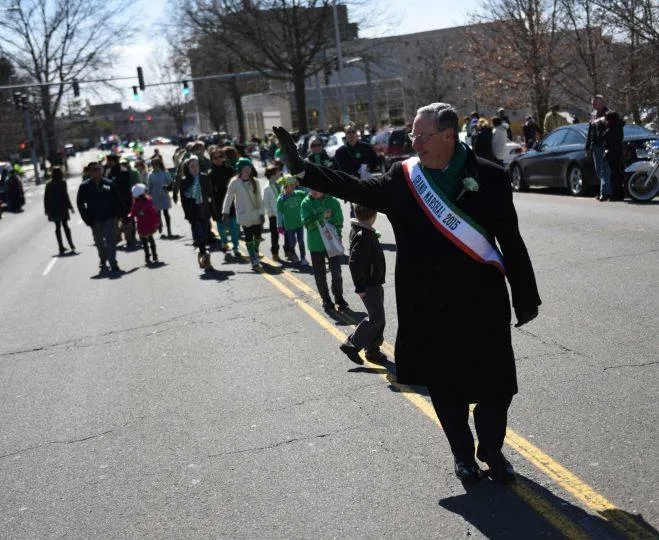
(312, 211)
(288, 209)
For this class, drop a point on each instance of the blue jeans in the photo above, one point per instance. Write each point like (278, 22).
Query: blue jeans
(232, 228)
(293, 235)
(603, 171)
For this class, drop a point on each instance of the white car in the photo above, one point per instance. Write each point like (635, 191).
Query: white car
(334, 143)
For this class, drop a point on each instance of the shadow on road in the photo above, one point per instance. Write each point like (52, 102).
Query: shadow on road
(109, 274)
(217, 275)
(498, 511)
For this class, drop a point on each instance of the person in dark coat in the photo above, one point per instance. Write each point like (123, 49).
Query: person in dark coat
(221, 174)
(98, 204)
(197, 202)
(530, 129)
(595, 146)
(121, 178)
(613, 149)
(57, 204)
(454, 312)
(368, 270)
(481, 140)
(350, 157)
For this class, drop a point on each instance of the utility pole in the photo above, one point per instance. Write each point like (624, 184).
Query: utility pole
(321, 105)
(20, 100)
(345, 118)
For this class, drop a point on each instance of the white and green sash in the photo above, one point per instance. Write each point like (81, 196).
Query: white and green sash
(449, 220)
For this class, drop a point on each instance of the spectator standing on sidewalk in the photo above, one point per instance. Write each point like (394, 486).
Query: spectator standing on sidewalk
(499, 140)
(501, 113)
(595, 146)
(98, 204)
(553, 119)
(57, 205)
(613, 148)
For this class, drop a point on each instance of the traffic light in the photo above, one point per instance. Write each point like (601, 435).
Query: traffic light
(17, 100)
(24, 103)
(149, 118)
(22, 146)
(136, 95)
(328, 73)
(186, 88)
(140, 78)
(131, 119)
(76, 89)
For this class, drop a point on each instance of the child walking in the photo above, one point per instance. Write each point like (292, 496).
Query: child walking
(289, 220)
(316, 208)
(368, 269)
(244, 190)
(148, 221)
(271, 193)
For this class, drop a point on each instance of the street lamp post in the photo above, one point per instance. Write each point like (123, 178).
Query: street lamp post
(369, 87)
(345, 118)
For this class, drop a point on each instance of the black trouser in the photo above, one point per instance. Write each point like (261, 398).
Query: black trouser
(319, 274)
(490, 419)
(617, 176)
(146, 242)
(59, 225)
(368, 334)
(274, 235)
(168, 221)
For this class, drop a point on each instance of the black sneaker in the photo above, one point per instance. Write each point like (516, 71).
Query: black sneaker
(376, 356)
(102, 267)
(115, 268)
(341, 304)
(328, 305)
(501, 470)
(351, 353)
(468, 472)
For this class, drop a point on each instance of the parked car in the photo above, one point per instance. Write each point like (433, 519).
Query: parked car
(160, 140)
(391, 145)
(334, 142)
(559, 159)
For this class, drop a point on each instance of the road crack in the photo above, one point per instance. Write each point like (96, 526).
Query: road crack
(283, 443)
(72, 441)
(553, 343)
(631, 365)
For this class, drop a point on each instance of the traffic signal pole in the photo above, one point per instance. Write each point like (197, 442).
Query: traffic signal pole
(30, 141)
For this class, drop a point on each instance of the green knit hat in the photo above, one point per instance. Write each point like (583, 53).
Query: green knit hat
(242, 162)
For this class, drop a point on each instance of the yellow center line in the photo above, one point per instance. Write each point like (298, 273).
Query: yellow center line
(562, 476)
(557, 519)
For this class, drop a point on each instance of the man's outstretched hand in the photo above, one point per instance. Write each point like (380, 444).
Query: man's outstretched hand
(288, 150)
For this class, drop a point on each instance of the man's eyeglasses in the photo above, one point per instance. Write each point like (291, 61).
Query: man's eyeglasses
(423, 137)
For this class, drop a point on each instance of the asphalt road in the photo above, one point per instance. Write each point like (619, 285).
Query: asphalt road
(165, 402)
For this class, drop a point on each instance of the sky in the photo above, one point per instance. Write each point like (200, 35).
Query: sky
(416, 16)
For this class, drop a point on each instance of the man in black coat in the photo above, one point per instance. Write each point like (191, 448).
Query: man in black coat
(448, 210)
(121, 179)
(595, 146)
(98, 204)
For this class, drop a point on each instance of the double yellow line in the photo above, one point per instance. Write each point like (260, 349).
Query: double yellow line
(581, 491)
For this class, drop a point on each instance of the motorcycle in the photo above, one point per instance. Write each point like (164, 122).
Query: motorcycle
(643, 176)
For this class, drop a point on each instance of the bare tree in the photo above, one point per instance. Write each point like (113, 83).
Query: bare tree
(636, 54)
(282, 39)
(58, 41)
(518, 49)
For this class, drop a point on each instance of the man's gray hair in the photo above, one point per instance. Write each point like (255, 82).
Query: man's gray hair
(444, 114)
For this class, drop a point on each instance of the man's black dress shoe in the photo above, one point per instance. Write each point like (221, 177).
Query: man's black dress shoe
(468, 473)
(351, 353)
(501, 470)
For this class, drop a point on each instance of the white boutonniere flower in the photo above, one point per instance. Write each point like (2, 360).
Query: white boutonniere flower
(106, 188)
(468, 184)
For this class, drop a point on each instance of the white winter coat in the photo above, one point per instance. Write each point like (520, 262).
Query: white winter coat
(249, 205)
(270, 194)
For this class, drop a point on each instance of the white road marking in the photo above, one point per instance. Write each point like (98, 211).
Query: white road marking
(49, 267)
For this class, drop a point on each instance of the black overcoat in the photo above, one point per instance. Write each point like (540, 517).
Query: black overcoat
(453, 312)
(56, 201)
